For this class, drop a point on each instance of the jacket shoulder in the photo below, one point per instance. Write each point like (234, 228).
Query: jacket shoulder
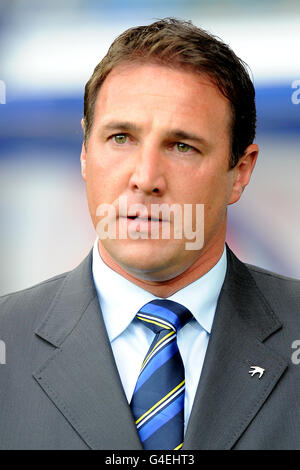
(269, 277)
(282, 292)
(31, 301)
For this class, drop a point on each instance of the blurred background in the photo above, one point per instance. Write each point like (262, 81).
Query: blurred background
(48, 51)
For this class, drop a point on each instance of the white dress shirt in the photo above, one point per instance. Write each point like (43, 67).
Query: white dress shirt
(120, 300)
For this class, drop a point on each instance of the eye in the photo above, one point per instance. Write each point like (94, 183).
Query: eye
(183, 148)
(120, 138)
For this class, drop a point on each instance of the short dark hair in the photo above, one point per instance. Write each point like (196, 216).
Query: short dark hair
(177, 43)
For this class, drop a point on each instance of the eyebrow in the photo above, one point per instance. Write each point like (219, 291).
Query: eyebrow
(177, 134)
(121, 126)
(183, 135)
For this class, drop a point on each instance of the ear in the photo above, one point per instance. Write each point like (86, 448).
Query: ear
(243, 171)
(83, 154)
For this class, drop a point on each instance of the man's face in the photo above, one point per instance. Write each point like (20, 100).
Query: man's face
(159, 136)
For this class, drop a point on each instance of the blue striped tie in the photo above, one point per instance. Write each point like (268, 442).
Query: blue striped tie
(158, 399)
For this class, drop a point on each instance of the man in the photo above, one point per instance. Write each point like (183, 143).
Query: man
(169, 123)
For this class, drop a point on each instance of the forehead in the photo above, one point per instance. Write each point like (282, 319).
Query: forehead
(157, 89)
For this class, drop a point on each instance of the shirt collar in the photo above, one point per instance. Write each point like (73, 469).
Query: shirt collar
(120, 299)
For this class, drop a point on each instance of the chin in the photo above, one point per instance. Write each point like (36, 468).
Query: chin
(143, 263)
(145, 259)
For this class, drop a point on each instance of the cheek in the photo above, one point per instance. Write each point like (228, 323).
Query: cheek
(199, 187)
(211, 188)
(106, 180)
(96, 186)
(218, 198)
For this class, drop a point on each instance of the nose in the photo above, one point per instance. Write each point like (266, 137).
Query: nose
(148, 176)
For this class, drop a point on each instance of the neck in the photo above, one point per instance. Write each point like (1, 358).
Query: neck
(208, 258)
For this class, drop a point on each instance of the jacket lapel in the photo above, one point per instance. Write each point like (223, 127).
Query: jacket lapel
(228, 397)
(81, 377)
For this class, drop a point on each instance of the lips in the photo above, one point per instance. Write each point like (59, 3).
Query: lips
(149, 218)
(141, 215)
(134, 211)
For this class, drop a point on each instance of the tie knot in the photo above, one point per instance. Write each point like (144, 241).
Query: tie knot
(160, 314)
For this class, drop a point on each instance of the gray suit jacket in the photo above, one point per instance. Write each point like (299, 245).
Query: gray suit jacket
(60, 388)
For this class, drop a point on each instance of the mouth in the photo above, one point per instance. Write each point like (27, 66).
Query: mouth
(144, 219)
(140, 223)
(142, 216)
